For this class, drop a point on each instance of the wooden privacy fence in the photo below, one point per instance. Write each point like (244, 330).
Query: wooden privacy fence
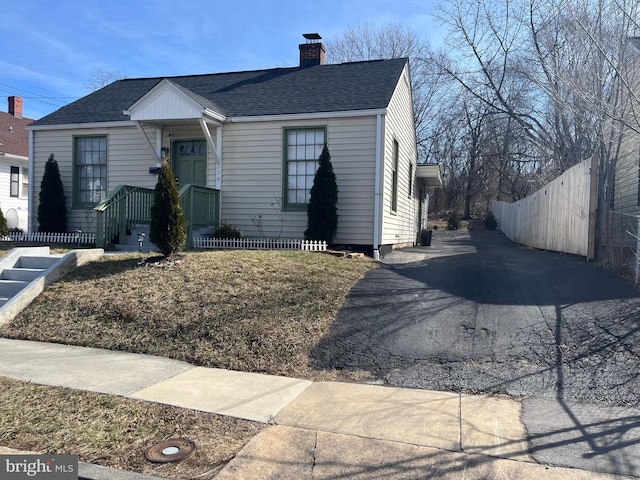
(259, 244)
(559, 217)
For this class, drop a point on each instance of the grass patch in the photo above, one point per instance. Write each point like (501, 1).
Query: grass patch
(252, 311)
(115, 431)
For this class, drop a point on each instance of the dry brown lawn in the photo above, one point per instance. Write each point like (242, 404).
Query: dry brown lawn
(253, 311)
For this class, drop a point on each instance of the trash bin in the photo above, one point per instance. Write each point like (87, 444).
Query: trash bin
(425, 237)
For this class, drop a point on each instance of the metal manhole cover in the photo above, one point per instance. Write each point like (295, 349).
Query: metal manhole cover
(173, 450)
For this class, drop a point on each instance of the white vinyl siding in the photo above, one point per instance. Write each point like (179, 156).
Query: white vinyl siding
(128, 162)
(7, 202)
(399, 221)
(252, 177)
(627, 177)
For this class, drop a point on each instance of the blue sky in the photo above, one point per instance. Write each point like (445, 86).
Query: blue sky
(49, 50)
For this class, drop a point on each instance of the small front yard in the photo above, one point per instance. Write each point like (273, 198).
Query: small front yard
(253, 311)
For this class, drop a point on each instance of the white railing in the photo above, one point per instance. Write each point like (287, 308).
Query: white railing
(45, 237)
(259, 244)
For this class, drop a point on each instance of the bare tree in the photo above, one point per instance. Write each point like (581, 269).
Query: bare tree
(101, 78)
(367, 41)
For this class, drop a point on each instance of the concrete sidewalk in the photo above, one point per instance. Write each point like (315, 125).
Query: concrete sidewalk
(319, 430)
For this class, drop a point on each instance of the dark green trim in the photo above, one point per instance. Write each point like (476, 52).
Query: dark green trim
(174, 155)
(75, 203)
(286, 206)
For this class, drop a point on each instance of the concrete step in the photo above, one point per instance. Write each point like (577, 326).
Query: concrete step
(26, 271)
(8, 288)
(37, 262)
(25, 274)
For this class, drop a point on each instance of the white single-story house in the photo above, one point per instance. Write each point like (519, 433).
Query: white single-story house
(14, 165)
(244, 147)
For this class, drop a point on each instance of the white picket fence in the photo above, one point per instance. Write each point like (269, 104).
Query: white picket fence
(44, 237)
(259, 244)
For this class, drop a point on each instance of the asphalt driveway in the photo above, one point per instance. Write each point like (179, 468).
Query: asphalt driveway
(478, 313)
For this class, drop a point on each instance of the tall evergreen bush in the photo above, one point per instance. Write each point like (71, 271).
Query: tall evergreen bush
(4, 229)
(52, 206)
(322, 210)
(167, 229)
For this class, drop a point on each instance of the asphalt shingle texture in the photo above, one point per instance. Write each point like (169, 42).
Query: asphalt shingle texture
(320, 88)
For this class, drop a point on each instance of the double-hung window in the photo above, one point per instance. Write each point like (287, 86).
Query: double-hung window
(90, 170)
(302, 149)
(14, 182)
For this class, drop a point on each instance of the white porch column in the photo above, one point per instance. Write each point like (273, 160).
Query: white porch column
(216, 149)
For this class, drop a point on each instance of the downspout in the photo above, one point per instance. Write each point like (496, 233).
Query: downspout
(219, 159)
(377, 195)
(31, 223)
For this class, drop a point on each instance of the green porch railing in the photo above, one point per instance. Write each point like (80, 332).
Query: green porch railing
(201, 208)
(125, 207)
(128, 206)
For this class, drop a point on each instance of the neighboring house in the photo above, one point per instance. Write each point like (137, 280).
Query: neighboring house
(14, 165)
(622, 229)
(250, 142)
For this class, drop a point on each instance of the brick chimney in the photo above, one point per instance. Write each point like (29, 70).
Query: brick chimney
(15, 106)
(312, 52)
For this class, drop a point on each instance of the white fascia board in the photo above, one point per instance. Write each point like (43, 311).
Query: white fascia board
(4, 156)
(309, 116)
(213, 117)
(74, 126)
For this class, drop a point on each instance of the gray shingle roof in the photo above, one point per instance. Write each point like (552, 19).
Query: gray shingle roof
(320, 88)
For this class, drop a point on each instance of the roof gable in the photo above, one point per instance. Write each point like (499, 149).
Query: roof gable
(280, 91)
(169, 101)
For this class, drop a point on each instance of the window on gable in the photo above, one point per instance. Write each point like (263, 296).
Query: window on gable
(301, 152)
(90, 171)
(14, 182)
(394, 176)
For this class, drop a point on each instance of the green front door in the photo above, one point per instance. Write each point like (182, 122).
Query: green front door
(190, 162)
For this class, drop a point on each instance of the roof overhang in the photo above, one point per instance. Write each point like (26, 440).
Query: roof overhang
(430, 174)
(169, 103)
(309, 116)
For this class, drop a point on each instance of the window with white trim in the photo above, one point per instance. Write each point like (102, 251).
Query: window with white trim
(302, 149)
(14, 182)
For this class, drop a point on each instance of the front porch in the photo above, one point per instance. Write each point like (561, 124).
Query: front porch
(129, 207)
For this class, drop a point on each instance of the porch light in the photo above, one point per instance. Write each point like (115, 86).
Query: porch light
(140, 240)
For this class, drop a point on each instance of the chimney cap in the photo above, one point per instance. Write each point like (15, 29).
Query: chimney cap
(311, 36)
